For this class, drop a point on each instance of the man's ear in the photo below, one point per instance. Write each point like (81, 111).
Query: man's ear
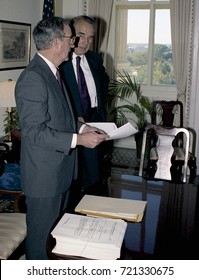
(56, 42)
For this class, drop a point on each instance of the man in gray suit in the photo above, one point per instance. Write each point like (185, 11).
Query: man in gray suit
(50, 134)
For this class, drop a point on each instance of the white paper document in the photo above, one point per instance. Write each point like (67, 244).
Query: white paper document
(113, 131)
(89, 237)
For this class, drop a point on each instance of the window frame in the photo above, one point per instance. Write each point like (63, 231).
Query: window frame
(167, 92)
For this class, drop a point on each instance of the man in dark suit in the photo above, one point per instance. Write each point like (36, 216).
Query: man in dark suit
(49, 134)
(90, 178)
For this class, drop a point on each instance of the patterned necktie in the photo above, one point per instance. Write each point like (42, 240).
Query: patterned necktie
(83, 91)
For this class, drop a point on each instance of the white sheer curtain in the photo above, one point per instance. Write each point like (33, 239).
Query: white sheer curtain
(181, 34)
(194, 100)
(101, 11)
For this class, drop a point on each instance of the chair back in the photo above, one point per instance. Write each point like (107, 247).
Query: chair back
(10, 187)
(164, 113)
(163, 141)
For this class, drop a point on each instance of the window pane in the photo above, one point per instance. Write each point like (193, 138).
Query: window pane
(143, 43)
(147, 0)
(136, 53)
(162, 54)
(137, 38)
(138, 0)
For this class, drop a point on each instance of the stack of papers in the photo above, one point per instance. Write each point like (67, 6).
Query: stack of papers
(113, 132)
(89, 237)
(111, 207)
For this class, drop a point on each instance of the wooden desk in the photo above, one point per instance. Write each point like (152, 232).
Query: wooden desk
(170, 228)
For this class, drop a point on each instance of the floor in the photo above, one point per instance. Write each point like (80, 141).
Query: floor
(124, 161)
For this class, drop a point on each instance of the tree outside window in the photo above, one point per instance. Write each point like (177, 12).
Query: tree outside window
(143, 42)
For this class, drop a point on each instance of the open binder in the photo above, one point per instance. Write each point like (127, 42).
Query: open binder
(110, 207)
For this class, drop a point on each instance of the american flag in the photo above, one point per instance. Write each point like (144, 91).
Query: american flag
(48, 9)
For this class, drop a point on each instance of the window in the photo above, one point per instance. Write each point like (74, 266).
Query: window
(143, 41)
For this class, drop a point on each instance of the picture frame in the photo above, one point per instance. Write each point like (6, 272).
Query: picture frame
(14, 44)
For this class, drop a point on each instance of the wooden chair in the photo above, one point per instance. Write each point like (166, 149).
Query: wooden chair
(169, 114)
(162, 161)
(10, 178)
(12, 225)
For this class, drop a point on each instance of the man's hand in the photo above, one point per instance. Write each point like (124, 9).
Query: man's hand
(88, 128)
(91, 137)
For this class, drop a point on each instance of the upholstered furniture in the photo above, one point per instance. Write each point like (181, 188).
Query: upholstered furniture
(9, 175)
(12, 235)
(13, 223)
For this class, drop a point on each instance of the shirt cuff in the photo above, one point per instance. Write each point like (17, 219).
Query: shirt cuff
(74, 141)
(81, 128)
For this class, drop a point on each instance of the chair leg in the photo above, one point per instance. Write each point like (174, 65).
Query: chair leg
(192, 168)
(176, 171)
(152, 168)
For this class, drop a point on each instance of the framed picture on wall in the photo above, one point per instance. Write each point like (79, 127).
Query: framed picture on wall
(14, 44)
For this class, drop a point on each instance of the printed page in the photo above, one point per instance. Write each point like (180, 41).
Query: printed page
(115, 133)
(88, 228)
(83, 236)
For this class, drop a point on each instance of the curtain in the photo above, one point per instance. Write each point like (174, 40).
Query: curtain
(181, 35)
(194, 100)
(101, 11)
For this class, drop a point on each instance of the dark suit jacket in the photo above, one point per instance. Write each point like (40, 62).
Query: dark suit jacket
(90, 160)
(47, 123)
(101, 82)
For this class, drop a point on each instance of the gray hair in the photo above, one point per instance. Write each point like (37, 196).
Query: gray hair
(85, 18)
(48, 29)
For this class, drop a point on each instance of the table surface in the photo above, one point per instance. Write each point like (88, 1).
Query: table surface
(170, 227)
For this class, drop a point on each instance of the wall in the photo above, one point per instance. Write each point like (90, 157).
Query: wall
(27, 11)
(72, 8)
(30, 11)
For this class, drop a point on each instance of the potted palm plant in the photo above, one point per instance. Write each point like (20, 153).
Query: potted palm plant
(125, 96)
(11, 124)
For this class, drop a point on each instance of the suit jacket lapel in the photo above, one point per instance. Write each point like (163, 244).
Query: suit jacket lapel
(55, 86)
(72, 84)
(93, 67)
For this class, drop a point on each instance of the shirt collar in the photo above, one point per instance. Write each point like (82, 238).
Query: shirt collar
(50, 64)
(82, 57)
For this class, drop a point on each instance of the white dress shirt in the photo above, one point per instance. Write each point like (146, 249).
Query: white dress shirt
(88, 77)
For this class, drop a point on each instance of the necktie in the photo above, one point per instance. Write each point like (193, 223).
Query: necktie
(58, 76)
(83, 91)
